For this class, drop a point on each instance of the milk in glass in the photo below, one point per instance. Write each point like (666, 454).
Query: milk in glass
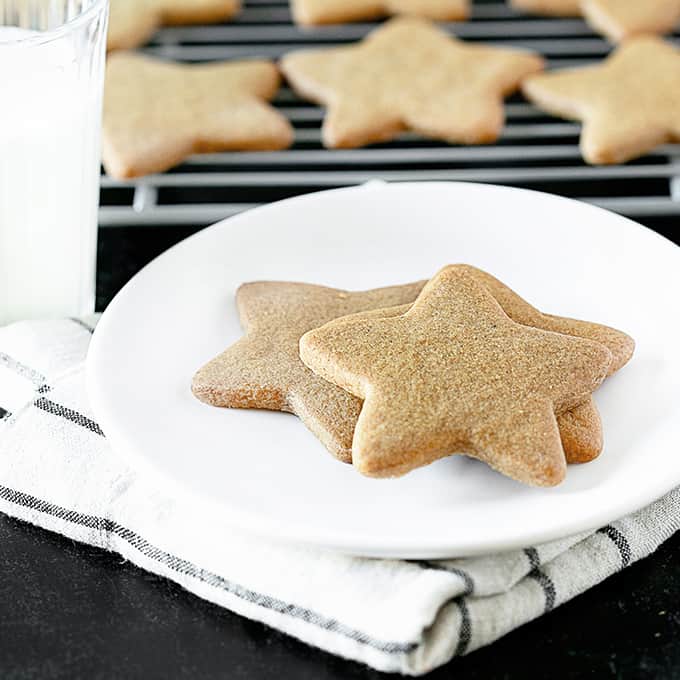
(50, 118)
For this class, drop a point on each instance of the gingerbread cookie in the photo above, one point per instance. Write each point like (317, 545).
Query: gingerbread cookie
(157, 113)
(332, 416)
(408, 74)
(621, 19)
(263, 369)
(562, 8)
(580, 427)
(311, 12)
(629, 104)
(519, 310)
(133, 22)
(456, 375)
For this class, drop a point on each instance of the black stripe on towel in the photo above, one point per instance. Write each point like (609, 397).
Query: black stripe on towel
(69, 414)
(187, 568)
(465, 632)
(621, 543)
(541, 578)
(4, 414)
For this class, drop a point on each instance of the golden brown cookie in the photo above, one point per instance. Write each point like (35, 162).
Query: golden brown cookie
(580, 427)
(581, 430)
(133, 22)
(621, 19)
(156, 113)
(311, 12)
(456, 375)
(519, 310)
(563, 8)
(263, 369)
(629, 104)
(409, 74)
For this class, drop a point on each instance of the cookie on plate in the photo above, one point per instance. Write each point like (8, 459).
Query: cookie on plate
(156, 113)
(622, 19)
(456, 375)
(276, 314)
(263, 369)
(133, 22)
(409, 75)
(580, 427)
(312, 12)
(629, 103)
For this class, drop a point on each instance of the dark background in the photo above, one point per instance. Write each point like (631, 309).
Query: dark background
(71, 611)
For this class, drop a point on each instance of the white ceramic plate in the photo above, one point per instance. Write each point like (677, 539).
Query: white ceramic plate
(264, 472)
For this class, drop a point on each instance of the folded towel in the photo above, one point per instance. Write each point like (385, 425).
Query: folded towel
(57, 471)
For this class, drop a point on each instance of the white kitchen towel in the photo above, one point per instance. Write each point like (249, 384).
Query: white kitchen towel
(57, 471)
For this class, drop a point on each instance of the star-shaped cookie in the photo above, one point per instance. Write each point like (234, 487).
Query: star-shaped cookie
(263, 369)
(563, 8)
(621, 19)
(133, 22)
(156, 113)
(629, 104)
(275, 315)
(311, 12)
(408, 74)
(580, 427)
(456, 375)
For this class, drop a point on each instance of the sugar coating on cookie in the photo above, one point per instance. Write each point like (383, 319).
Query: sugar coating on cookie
(263, 369)
(133, 22)
(622, 19)
(563, 8)
(629, 103)
(156, 113)
(580, 427)
(455, 374)
(409, 74)
(311, 12)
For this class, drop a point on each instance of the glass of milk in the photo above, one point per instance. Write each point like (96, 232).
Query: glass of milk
(51, 79)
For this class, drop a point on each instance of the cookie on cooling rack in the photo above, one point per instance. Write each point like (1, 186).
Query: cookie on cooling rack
(156, 113)
(133, 22)
(311, 12)
(622, 19)
(629, 103)
(409, 74)
(564, 8)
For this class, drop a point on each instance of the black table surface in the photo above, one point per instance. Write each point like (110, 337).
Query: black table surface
(71, 611)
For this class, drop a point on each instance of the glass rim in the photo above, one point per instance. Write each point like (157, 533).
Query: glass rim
(55, 33)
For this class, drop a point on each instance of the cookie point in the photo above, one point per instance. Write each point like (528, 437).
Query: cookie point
(553, 474)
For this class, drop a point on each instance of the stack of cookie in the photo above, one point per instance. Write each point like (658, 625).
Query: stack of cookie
(395, 378)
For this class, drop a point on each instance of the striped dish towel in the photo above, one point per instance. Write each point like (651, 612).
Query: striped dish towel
(57, 471)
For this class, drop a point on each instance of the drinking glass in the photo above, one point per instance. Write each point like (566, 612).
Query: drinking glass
(52, 56)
